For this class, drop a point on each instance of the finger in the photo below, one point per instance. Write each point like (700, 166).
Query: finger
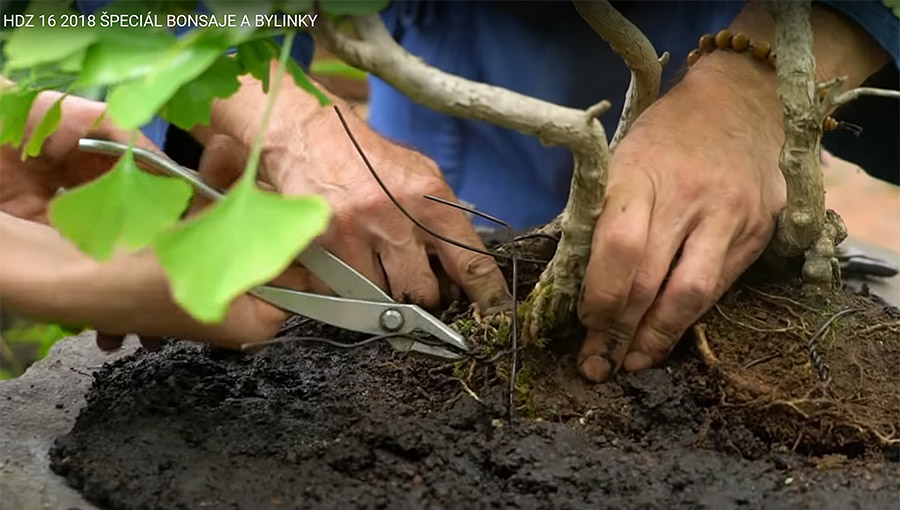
(355, 252)
(448, 289)
(108, 342)
(220, 166)
(477, 274)
(695, 284)
(409, 274)
(295, 277)
(620, 239)
(667, 232)
(151, 343)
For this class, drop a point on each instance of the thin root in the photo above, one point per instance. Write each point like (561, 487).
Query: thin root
(469, 391)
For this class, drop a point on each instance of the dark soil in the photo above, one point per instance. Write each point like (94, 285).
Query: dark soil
(742, 422)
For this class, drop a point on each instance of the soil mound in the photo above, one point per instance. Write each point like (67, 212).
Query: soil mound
(743, 414)
(307, 425)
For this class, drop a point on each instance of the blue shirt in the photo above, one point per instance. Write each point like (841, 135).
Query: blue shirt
(545, 50)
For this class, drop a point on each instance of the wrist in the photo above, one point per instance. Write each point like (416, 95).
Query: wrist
(740, 90)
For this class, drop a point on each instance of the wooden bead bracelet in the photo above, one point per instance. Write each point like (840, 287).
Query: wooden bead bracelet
(759, 50)
(739, 42)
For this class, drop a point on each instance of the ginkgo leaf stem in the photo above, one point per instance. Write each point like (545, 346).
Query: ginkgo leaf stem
(249, 177)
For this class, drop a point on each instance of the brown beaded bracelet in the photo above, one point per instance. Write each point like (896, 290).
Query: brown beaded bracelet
(739, 42)
(759, 50)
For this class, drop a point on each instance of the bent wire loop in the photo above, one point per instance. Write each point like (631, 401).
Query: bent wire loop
(360, 305)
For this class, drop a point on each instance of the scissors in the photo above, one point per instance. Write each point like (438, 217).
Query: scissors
(360, 305)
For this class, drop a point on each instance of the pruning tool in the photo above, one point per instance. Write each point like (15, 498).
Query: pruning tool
(855, 262)
(360, 305)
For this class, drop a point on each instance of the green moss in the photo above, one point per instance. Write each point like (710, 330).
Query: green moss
(464, 326)
(460, 368)
(525, 390)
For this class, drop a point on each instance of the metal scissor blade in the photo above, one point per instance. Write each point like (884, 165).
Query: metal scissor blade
(343, 279)
(352, 314)
(407, 344)
(365, 317)
(360, 315)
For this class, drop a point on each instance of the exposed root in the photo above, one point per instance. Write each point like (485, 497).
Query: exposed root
(706, 354)
(737, 381)
(785, 391)
(754, 328)
(468, 390)
(821, 270)
(892, 326)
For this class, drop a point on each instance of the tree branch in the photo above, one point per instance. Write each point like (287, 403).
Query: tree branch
(627, 41)
(375, 51)
(801, 221)
(851, 95)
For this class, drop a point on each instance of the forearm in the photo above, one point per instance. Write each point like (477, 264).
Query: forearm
(43, 276)
(46, 277)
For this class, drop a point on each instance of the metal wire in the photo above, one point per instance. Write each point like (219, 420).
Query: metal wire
(821, 368)
(342, 345)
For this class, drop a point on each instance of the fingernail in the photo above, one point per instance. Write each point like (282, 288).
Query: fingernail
(637, 361)
(595, 368)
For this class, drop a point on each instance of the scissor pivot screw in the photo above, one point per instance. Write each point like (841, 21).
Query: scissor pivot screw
(391, 320)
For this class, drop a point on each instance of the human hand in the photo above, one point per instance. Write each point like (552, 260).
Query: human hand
(369, 231)
(46, 277)
(249, 320)
(307, 152)
(27, 186)
(694, 191)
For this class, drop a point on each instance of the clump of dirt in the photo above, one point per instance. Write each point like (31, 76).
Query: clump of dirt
(308, 425)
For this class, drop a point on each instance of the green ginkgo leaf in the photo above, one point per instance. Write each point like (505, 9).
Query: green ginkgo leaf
(122, 54)
(135, 102)
(304, 83)
(192, 103)
(256, 58)
(124, 208)
(246, 239)
(15, 104)
(45, 128)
